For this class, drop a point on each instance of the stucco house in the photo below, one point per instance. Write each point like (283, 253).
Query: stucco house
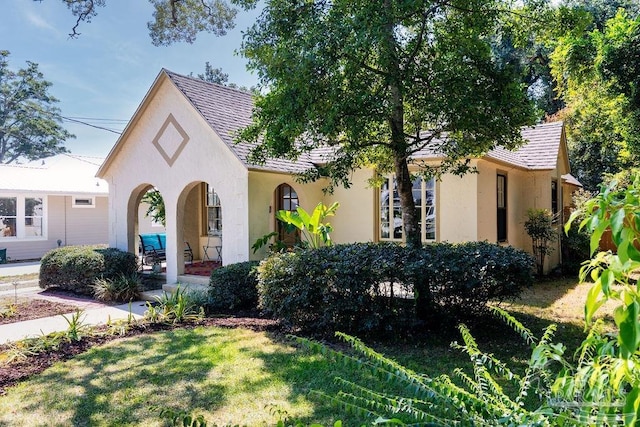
(56, 201)
(181, 141)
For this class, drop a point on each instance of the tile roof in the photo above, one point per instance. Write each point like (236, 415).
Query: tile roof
(61, 174)
(228, 110)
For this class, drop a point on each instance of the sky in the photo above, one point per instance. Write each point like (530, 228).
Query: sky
(102, 76)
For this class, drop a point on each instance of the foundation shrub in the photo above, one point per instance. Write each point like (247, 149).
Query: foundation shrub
(367, 287)
(234, 287)
(341, 287)
(456, 281)
(76, 268)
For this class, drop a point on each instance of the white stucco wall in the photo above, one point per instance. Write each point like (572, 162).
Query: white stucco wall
(205, 158)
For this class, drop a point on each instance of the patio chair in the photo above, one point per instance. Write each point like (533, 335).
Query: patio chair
(213, 248)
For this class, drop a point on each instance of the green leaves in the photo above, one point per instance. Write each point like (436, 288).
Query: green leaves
(30, 124)
(315, 231)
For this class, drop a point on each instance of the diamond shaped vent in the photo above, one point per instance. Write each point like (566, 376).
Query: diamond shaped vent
(170, 140)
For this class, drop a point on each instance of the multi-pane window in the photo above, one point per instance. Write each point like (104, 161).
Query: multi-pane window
(501, 208)
(287, 199)
(424, 199)
(21, 217)
(214, 212)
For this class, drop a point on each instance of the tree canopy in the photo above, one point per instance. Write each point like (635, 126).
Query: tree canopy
(173, 20)
(598, 76)
(392, 80)
(30, 124)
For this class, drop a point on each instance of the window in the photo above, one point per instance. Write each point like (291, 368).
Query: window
(8, 216)
(213, 212)
(33, 217)
(83, 202)
(287, 199)
(554, 200)
(424, 198)
(21, 217)
(501, 193)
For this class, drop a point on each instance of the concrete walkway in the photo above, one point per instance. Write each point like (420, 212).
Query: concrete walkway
(94, 312)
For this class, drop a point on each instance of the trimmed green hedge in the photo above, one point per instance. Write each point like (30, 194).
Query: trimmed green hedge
(234, 287)
(366, 287)
(76, 268)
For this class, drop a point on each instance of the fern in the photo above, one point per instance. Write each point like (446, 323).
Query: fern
(512, 322)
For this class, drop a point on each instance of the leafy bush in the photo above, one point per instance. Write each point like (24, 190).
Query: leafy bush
(234, 287)
(336, 287)
(120, 289)
(367, 287)
(76, 268)
(459, 279)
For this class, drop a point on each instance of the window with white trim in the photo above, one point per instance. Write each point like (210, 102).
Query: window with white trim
(83, 202)
(21, 217)
(424, 198)
(213, 211)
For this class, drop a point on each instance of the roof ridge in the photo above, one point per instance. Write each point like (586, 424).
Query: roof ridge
(200, 81)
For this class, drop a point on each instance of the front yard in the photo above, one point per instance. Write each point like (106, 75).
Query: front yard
(245, 377)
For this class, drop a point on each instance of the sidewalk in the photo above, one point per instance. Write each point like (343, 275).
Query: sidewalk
(96, 315)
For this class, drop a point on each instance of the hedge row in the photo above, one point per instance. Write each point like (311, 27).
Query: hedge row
(366, 287)
(76, 268)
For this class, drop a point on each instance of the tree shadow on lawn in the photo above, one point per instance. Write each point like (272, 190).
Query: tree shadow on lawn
(429, 354)
(121, 382)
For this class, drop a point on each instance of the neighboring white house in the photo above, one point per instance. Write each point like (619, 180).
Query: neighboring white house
(181, 141)
(56, 201)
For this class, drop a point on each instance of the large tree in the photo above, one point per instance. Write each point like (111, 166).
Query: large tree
(388, 78)
(173, 20)
(598, 76)
(30, 124)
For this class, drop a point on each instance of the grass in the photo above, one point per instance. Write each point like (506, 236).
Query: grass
(249, 378)
(229, 376)
(19, 278)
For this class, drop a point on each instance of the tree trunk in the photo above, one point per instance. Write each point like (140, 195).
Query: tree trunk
(399, 145)
(409, 212)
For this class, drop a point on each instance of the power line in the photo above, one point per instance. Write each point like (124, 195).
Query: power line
(96, 119)
(73, 120)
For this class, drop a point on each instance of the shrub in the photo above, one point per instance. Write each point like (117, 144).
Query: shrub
(76, 268)
(460, 279)
(234, 287)
(367, 287)
(332, 288)
(122, 288)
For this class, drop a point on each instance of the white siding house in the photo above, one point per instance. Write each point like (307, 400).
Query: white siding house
(52, 202)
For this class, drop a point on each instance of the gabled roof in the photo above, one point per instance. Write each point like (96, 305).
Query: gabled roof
(540, 152)
(61, 174)
(227, 110)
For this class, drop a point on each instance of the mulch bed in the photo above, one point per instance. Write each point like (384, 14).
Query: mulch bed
(20, 370)
(36, 309)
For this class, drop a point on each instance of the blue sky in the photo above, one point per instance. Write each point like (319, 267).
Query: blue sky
(107, 70)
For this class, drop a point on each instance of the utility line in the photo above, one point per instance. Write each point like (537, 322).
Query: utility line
(70, 119)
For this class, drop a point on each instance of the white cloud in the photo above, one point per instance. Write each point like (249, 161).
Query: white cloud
(38, 22)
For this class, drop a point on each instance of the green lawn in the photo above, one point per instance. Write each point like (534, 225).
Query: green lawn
(247, 378)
